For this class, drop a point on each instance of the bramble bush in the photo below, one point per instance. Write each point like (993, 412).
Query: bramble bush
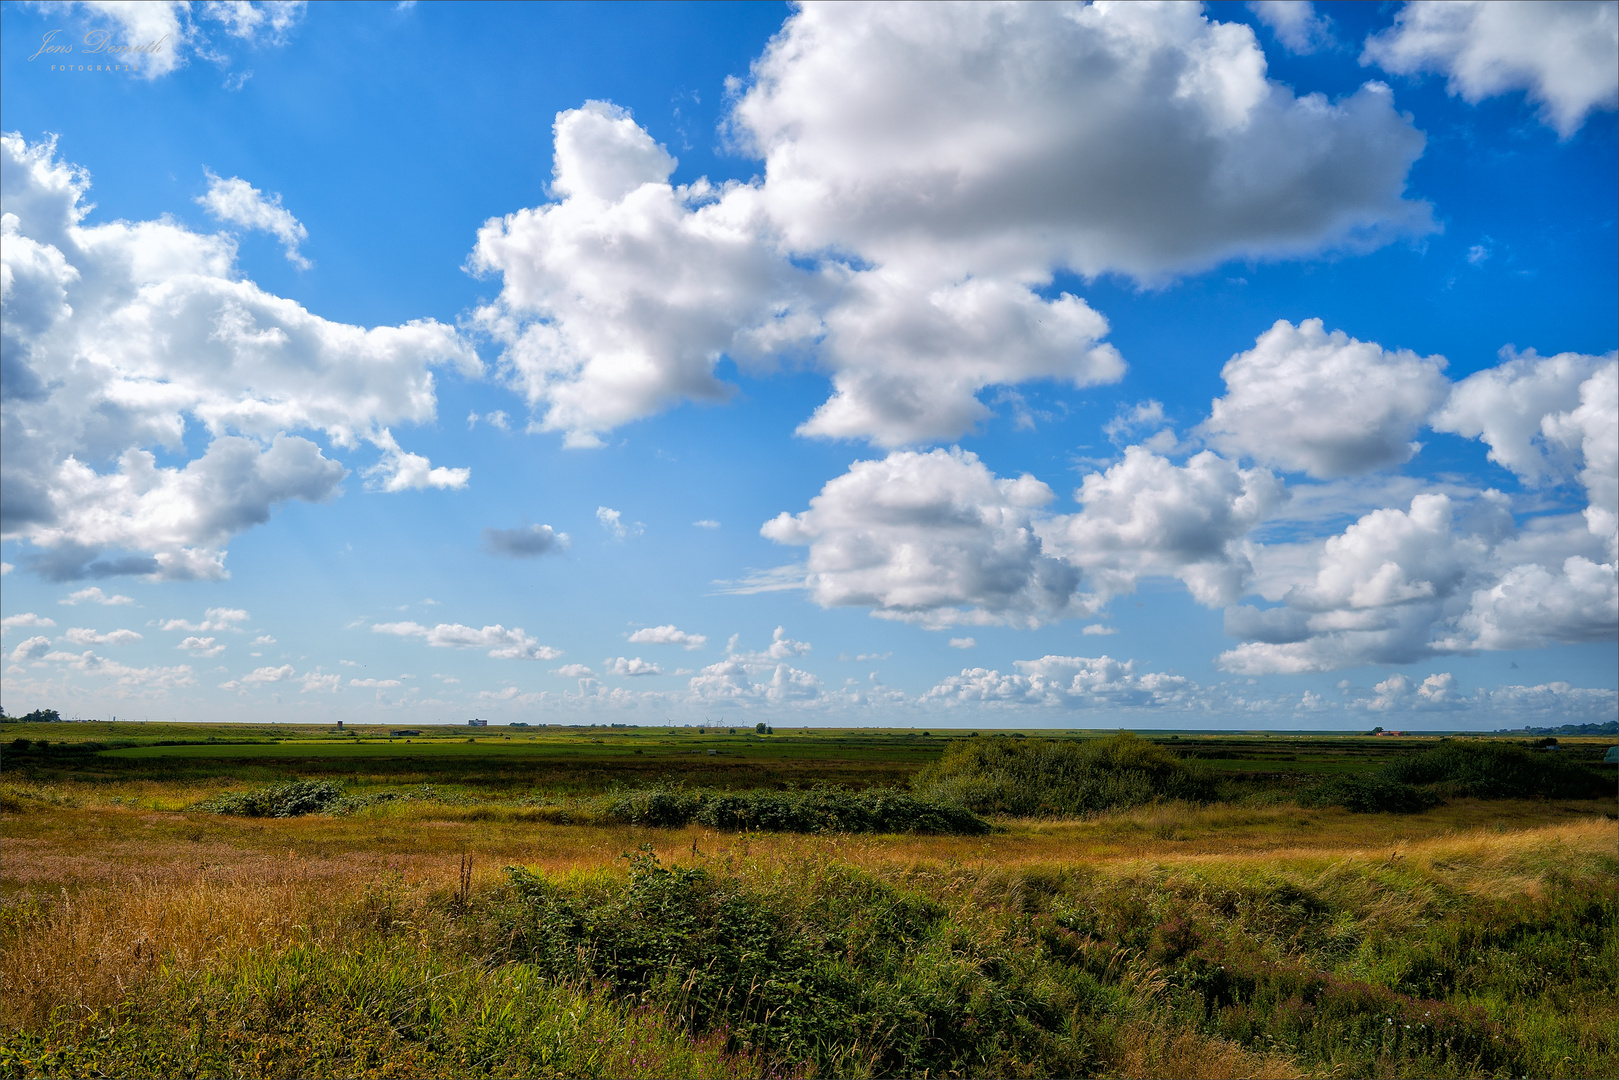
(1051, 778)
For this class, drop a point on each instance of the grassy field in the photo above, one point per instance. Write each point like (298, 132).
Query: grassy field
(477, 910)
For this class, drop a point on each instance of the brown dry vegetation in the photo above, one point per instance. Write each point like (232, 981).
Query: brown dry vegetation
(108, 892)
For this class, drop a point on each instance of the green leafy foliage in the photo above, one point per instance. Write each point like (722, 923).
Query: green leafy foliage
(1047, 778)
(1499, 770)
(1370, 795)
(855, 978)
(876, 810)
(292, 798)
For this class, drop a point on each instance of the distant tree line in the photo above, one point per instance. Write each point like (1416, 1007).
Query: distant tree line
(1609, 728)
(38, 716)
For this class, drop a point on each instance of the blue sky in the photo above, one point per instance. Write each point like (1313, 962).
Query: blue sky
(1246, 365)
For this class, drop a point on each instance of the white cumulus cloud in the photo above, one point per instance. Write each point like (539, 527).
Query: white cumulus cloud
(613, 521)
(1563, 53)
(201, 646)
(927, 171)
(668, 635)
(25, 619)
(622, 665)
(935, 539)
(1149, 516)
(1296, 23)
(501, 643)
(1324, 403)
(216, 618)
(1074, 682)
(32, 649)
(83, 635)
(128, 336)
(94, 595)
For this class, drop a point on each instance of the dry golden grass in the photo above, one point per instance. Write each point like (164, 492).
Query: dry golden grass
(98, 897)
(1156, 1051)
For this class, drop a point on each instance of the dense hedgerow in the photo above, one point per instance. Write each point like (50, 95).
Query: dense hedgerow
(1496, 770)
(1370, 795)
(1048, 778)
(880, 810)
(1479, 770)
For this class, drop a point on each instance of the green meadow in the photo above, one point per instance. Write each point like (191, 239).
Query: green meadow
(280, 901)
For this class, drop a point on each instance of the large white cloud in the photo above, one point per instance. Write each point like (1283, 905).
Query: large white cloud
(1376, 591)
(1325, 404)
(618, 299)
(1147, 516)
(1593, 427)
(1508, 406)
(1565, 53)
(1531, 606)
(1548, 419)
(972, 139)
(933, 538)
(909, 354)
(927, 171)
(120, 337)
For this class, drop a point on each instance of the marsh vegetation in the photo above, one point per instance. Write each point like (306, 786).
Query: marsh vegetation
(201, 909)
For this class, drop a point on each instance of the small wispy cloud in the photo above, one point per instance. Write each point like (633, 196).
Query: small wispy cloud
(775, 579)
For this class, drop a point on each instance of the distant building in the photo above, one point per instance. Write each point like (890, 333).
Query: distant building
(475, 722)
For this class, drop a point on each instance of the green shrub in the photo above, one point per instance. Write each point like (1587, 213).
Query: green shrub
(1029, 778)
(856, 978)
(294, 798)
(1371, 795)
(878, 810)
(1495, 770)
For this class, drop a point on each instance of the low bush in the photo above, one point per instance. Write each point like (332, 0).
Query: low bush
(879, 810)
(1048, 778)
(293, 798)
